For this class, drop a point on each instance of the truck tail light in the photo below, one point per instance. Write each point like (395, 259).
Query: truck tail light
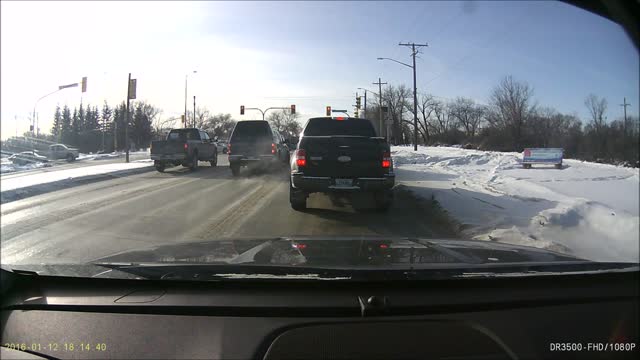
(229, 149)
(386, 159)
(186, 146)
(273, 148)
(301, 158)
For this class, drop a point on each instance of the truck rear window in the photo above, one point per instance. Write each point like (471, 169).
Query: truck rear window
(251, 129)
(184, 134)
(329, 126)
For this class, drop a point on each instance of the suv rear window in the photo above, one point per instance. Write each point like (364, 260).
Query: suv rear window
(330, 126)
(184, 134)
(251, 129)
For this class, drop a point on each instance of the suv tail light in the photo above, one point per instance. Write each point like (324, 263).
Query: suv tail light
(229, 149)
(301, 157)
(186, 146)
(386, 159)
(273, 148)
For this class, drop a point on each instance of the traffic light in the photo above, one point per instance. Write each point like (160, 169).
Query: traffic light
(293, 109)
(358, 102)
(84, 84)
(328, 110)
(241, 109)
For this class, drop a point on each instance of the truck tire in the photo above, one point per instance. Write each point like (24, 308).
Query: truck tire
(235, 169)
(193, 166)
(383, 200)
(214, 161)
(558, 166)
(71, 158)
(160, 166)
(297, 199)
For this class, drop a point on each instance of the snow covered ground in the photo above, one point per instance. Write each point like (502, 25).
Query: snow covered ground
(586, 209)
(7, 166)
(12, 183)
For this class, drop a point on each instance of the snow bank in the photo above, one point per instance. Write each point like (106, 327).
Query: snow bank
(53, 176)
(9, 167)
(585, 209)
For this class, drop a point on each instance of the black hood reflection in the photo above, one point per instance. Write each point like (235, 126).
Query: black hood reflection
(339, 252)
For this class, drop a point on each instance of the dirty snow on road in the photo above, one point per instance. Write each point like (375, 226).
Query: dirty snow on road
(585, 209)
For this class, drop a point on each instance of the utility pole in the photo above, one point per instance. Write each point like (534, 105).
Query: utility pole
(126, 120)
(365, 104)
(624, 129)
(380, 83)
(415, 92)
(194, 111)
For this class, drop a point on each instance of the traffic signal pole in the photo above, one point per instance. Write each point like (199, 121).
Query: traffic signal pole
(126, 120)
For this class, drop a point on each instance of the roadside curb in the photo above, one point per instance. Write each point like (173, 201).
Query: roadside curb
(29, 191)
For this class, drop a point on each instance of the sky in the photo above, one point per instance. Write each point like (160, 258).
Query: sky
(311, 54)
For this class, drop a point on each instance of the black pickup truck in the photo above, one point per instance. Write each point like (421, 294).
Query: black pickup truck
(341, 155)
(184, 147)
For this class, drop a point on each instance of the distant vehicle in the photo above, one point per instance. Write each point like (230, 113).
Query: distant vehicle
(184, 147)
(27, 157)
(551, 156)
(222, 146)
(341, 155)
(255, 142)
(61, 151)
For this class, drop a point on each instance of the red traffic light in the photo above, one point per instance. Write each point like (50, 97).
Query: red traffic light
(328, 110)
(241, 109)
(293, 109)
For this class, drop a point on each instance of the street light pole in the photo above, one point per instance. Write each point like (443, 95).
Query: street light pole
(61, 87)
(415, 89)
(186, 120)
(194, 111)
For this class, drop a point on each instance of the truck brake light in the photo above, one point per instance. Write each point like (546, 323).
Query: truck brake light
(229, 149)
(186, 146)
(301, 158)
(273, 148)
(386, 159)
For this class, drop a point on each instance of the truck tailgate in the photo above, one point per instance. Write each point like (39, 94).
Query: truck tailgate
(251, 146)
(343, 156)
(167, 147)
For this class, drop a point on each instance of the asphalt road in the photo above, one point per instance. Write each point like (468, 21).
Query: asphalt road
(87, 222)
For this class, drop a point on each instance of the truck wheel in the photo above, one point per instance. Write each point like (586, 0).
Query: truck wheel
(383, 200)
(214, 161)
(160, 167)
(71, 158)
(558, 166)
(193, 166)
(235, 169)
(297, 199)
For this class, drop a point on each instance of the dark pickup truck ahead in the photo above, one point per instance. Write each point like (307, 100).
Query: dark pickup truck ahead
(341, 155)
(184, 147)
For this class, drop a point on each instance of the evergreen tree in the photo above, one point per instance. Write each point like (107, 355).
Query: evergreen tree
(57, 122)
(76, 125)
(65, 133)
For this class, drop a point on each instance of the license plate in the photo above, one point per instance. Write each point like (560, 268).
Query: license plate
(344, 182)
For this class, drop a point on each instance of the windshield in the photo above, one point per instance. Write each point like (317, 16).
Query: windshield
(183, 135)
(250, 129)
(416, 135)
(328, 127)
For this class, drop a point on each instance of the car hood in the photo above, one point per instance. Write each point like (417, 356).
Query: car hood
(328, 258)
(339, 252)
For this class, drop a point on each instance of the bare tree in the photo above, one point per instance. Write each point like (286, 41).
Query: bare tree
(597, 108)
(397, 100)
(511, 106)
(468, 114)
(426, 106)
(285, 122)
(220, 125)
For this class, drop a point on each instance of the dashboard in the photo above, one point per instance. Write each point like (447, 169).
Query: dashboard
(560, 316)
